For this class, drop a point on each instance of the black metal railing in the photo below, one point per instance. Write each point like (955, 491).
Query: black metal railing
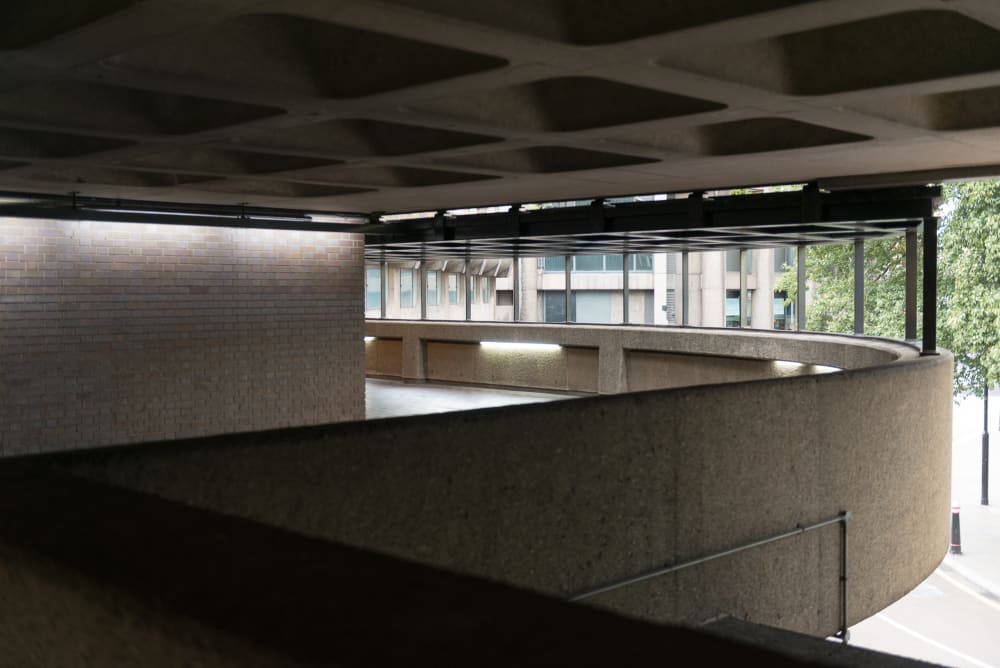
(842, 519)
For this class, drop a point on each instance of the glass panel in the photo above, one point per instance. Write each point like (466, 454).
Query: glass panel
(373, 288)
(732, 308)
(613, 263)
(592, 306)
(588, 263)
(453, 289)
(732, 260)
(432, 288)
(784, 260)
(485, 281)
(405, 288)
(472, 286)
(643, 262)
(554, 263)
(555, 305)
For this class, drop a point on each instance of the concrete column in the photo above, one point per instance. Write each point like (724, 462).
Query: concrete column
(800, 288)
(568, 285)
(625, 260)
(763, 294)
(468, 292)
(910, 312)
(422, 291)
(859, 286)
(744, 297)
(611, 369)
(685, 288)
(713, 289)
(414, 359)
(384, 279)
(515, 269)
(662, 281)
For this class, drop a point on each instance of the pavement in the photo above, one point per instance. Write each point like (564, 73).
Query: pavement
(953, 617)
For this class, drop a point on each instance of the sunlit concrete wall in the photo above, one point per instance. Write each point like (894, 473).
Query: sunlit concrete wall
(569, 495)
(121, 333)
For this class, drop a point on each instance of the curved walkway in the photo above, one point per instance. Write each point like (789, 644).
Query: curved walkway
(386, 398)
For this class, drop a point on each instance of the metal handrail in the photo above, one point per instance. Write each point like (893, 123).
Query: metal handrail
(842, 518)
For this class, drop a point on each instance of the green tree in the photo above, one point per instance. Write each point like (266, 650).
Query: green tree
(969, 283)
(830, 270)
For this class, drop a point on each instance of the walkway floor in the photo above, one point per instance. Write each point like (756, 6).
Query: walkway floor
(393, 398)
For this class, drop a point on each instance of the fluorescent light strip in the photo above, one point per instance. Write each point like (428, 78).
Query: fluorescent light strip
(369, 339)
(519, 345)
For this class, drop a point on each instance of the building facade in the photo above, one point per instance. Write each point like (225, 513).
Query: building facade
(596, 293)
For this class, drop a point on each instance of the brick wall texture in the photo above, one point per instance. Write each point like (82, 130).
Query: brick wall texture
(114, 333)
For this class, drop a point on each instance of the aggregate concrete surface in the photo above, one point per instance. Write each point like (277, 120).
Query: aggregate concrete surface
(952, 618)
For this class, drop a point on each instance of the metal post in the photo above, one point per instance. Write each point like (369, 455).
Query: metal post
(844, 634)
(566, 269)
(800, 288)
(625, 260)
(468, 292)
(910, 314)
(422, 275)
(743, 288)
(859, 286)
(516, 286)
(930, 286)
(985, 488)
(384, 279)
(685, 298)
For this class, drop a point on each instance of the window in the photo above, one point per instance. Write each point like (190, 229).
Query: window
(554, 263)
(433, 283)
(555, 305)
(484, 283)
(373, 288)
(733, 308)
(406, 288)
(733, 261)
(784, 259)
(505, 297)
(590, 263)
(641, 263)
(595, 263)
(453, 289)
(472, 287)
(782, 313)
(591, 306)
(670, 308)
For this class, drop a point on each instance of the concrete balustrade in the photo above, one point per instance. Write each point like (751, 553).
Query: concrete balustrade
(608, 359)
(569, 495)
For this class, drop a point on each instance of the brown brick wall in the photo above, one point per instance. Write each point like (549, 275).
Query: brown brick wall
(119, 333)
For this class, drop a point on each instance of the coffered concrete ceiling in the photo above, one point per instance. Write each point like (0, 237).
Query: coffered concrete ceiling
(404, 105)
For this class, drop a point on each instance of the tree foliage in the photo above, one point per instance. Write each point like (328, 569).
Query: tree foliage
(830, 273)
(969, 283)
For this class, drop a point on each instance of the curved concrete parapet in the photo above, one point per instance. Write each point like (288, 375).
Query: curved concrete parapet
(568, 495)
(609, 359)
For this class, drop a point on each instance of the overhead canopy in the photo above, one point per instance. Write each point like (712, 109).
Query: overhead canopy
(415, 105)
